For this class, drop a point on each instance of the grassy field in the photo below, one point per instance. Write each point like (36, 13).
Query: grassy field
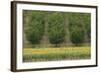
(52, 54)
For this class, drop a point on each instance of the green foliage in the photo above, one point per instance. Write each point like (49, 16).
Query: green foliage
(76, 28)
(56, 30)
(79, 26)
(87, 22)
(77, 35)
(35, 27)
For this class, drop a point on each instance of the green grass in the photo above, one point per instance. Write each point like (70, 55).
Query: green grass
(52, 54)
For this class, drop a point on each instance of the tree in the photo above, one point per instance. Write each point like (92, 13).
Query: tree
(76, 29)
(56, 30)
(87, 23)
(34, 27)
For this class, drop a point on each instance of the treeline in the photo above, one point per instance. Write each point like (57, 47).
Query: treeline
(57, 27)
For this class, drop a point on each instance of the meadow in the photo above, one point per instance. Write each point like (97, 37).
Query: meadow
(55, 54)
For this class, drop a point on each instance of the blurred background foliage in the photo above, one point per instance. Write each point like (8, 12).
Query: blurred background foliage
(55, 29)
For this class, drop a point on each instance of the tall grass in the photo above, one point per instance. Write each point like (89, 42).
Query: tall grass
(51, 54)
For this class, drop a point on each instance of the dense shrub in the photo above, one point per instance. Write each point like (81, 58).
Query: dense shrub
(77, 35)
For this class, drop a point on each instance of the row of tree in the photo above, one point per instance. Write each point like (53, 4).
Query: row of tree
(54, 25)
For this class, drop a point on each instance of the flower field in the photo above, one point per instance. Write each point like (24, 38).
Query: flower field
(54, 54)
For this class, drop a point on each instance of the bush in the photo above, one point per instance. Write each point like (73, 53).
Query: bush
(76, 34)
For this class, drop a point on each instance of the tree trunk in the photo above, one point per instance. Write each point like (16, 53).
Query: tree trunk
(45, 40)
